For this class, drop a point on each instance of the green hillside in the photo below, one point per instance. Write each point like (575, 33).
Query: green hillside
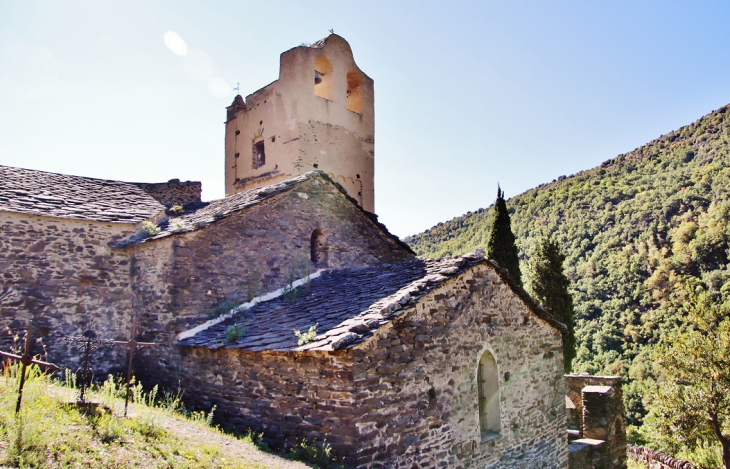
(634, 230)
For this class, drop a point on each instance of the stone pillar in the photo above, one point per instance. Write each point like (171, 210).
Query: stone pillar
(603, 425)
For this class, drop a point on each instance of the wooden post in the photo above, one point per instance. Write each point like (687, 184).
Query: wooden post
(26, 360)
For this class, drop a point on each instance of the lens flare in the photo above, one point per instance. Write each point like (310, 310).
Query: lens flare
(175, 43)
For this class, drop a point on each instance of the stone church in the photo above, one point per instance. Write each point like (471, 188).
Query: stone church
(410, 362)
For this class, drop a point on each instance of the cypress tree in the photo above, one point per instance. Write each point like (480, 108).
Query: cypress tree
(549, 286)
(501, 246)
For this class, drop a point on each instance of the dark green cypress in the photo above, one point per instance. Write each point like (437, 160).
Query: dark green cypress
(549, 286)
(501, 246)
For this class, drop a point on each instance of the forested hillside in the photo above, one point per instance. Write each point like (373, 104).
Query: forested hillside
(634, 230)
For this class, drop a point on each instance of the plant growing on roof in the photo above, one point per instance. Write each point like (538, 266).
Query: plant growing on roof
(306, 337)
(177, 225)
(149, 228)
(222, 308)
(235, 332)
(176, 209)
(299, 270)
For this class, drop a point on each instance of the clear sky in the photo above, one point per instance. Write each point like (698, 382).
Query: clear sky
(467, 94)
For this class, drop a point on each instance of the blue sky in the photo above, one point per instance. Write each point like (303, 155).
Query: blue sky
(467, 94)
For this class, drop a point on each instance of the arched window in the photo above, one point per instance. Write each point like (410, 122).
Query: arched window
(354, 92)
(319, 247)
(488, 385)
(323, 77)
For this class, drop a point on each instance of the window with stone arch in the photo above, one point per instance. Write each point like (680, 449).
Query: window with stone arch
(354, 92)
(323, 77)
(488, 386)
(319, 247)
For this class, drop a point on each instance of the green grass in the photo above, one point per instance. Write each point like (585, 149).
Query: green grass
(51, 432)
(631, 464)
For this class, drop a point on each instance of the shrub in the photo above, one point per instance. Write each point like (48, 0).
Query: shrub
(176, 209)
(235, 332)
(256, 439)
(306, 337)
(312, 453)
(149, 228)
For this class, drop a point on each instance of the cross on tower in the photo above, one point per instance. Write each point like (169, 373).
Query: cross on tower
(26, 360)
(132, 344)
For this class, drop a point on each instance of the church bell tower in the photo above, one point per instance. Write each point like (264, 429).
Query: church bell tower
(319, 114)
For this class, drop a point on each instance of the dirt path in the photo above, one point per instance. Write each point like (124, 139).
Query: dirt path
(231, 447)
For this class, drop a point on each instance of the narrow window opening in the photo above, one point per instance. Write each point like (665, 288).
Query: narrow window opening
(238, 132)
(318, 247)
(323, 77)
(273, 139)
(488, 387)
(259, 155)
(261, 122)
(354, 92)
(237, 155)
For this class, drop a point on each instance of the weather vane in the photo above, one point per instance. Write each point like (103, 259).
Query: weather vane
(238, 86)
(332, 31)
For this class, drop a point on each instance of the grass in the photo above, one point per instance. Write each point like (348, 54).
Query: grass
(631, 464)
(51, 432)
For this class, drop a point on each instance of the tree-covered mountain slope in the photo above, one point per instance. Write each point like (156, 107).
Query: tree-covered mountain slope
(634, 230)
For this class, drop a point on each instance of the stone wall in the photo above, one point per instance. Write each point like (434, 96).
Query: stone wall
(173, 192)
(410, 391)
(599, 402)
(286, 395)
(418, 384)
(653, 459)
(62, 273)
(181, 278)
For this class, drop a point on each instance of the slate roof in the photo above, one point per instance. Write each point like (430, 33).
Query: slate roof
(348, 305)
(205, 214)
(60, 195)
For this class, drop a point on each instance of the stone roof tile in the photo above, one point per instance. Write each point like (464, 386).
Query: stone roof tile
(347, 306)
(60, 195)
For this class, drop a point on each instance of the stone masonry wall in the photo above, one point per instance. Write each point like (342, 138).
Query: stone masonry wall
(286, 395)
(180, 279)
(417, 381)
(173, 192)
(62, 273)
(410, 391)
(603, 418)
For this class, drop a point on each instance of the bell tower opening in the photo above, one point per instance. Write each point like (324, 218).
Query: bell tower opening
(354, 92)
(323, 77)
